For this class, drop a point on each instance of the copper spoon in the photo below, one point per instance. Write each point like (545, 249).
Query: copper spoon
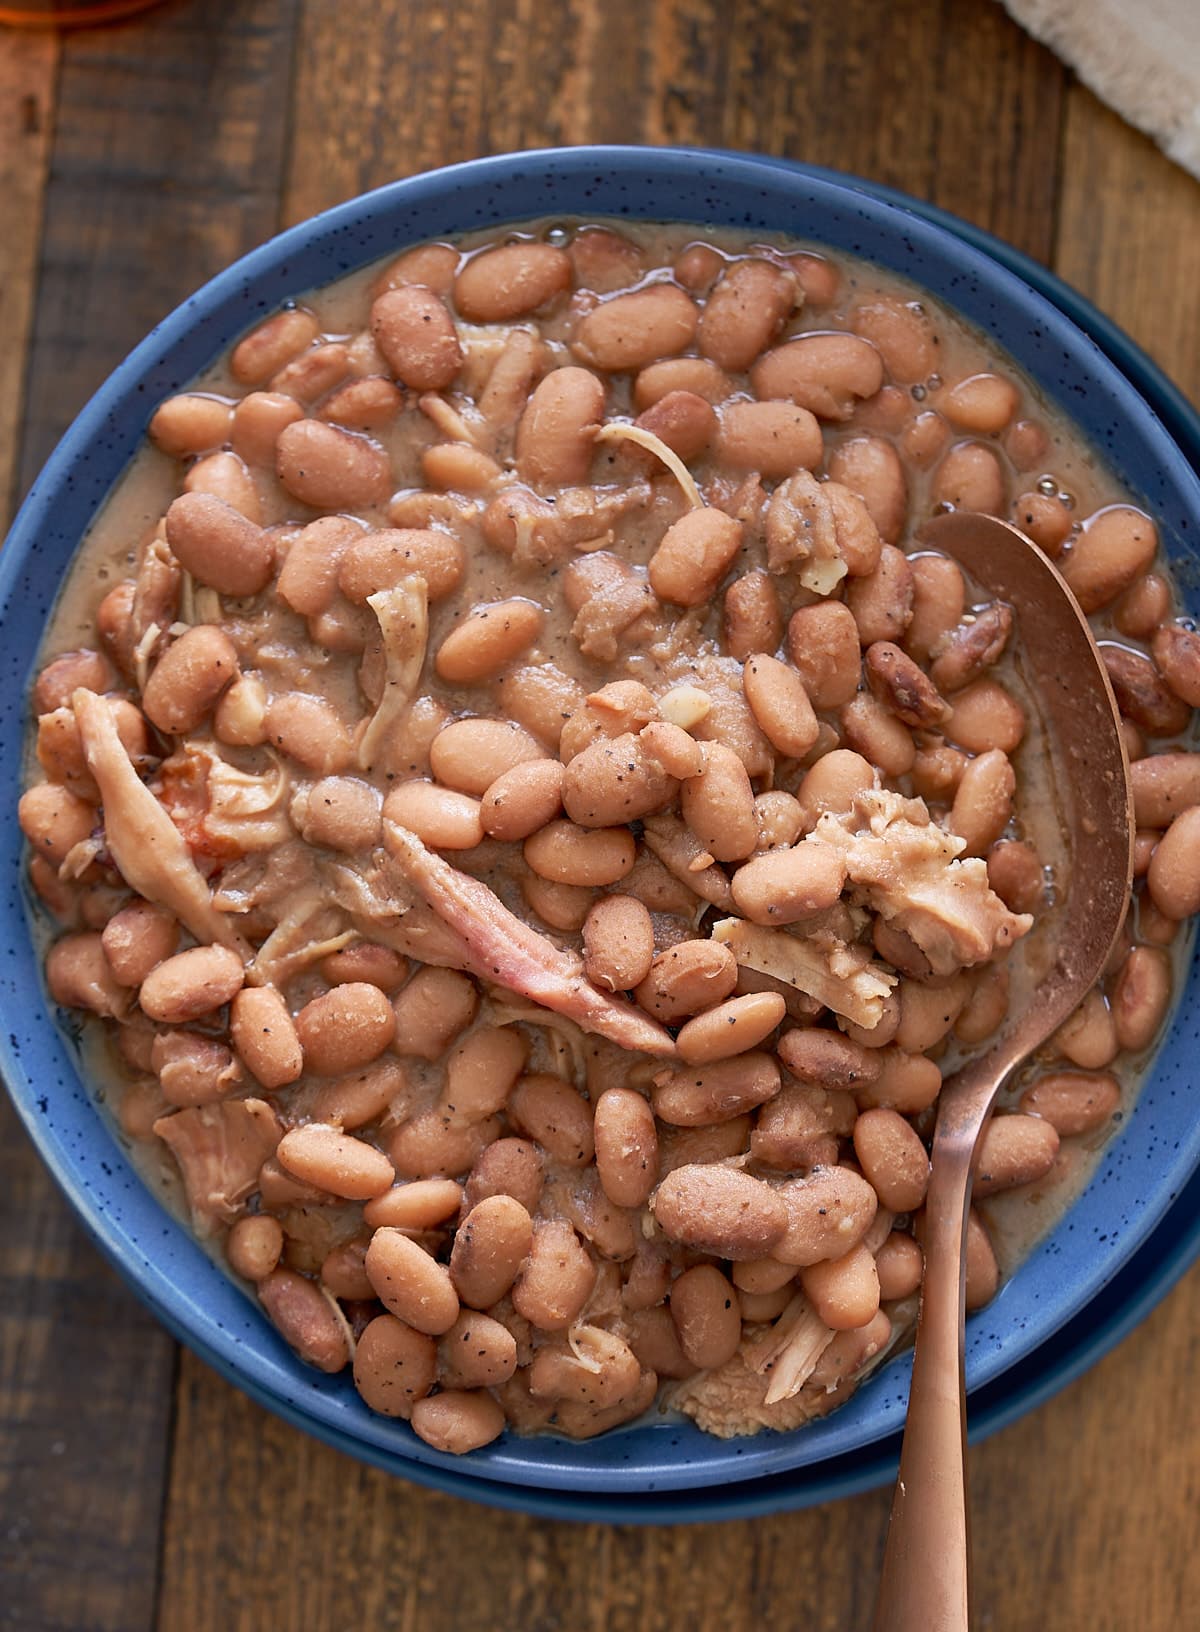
(925, 1585)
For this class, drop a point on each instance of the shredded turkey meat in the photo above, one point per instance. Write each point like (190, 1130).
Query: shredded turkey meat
(907, 869)
(220, 1149)
(507, 951)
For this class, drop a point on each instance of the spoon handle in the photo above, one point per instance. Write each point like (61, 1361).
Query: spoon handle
(926, 1564)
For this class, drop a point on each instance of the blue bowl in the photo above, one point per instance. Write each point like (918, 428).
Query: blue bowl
(1143, 1169)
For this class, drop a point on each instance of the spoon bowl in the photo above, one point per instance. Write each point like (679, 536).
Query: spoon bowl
(925, 1583)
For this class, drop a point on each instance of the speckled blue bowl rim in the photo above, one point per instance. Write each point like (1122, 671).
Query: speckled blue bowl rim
(1150, 1161)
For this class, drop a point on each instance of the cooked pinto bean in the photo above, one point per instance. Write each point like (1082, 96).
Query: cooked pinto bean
(189, 424)
(253, 1246)
(1141, 695)
(324, 1156)
(843, 1291)
(458, 1421)
(557, 432)
(823, 644)
(871, 467)
(488, 640)
(983, 801)
(1173, 876)
(510, 281)
(696, 376)
(780, 704)
(307, 728)
(970, 477)
(191, 984)
(1015, 873)
(744, 312)
(986, 716)
(410, 1283)
(1176, 650)
(733, 1027)
(548, 1110)
(753, 621)
(1141, 997)
(694, 555)
(718, 805)
(982, 404)
(1163, 786)
(824, 373)
(306, 1318)
(720, 1210)
(557, 1277)
(881, 602)
(683, 420)
(828, 1213)
(439, 817)
(265, 1037)
(707, 1313)
(628, 332)
(1073, 1102)
(137, 939)
(618, 941)
(345, 1029)
(477, 1352)
(970, 648)
(1114, 547)
(773, 438)
(188, 679)
(893, 1159)
(394, 1366)
(567, 854)
(686, 978)
(626, 1144)
(1014, 1149)
(417, 337)
(218, 546)
(786, 885)
(875, 732)
(899, 1264)
(938, 600)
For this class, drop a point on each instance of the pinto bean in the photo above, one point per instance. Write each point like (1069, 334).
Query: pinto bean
(618, 943)
(986, 716)
(828, 1213)
(267, 348)
(823, 644)
(843, 1291)
(523, 799)
(747, 308)
(433, 265)
(488, 640)
(827, 1059)
(431, 1145)
(1088, 1038)
(707, 1313)
(780, 705)
(752, 620)
(686, 978)
(477, 1352)
(983, 802)
(1044, 519)
(431, 1010)
(938, 600)
(720, 1210)
(982, 1270)
(54, 820)
(871, 467)
(190, 423)
(718, 805)
(908, 1083)
(693, 556)
(773, 438)
(510, 281)
(457, 1421)
(257, 422)
(1176, 651)
(1163, 786)
(696, 376)
(394, 1366)
(188, 678)
(440, 817)
(562, 906)
(1015, 1149)
(626, 1144)
(364, 1096)
(547, 1109)
(262, 1031)
(1015, 873)
(591, 857)
(1073, 1102)
(417, 337)
(834, 783)
(253, 1246)
(982, 403)
(627, 332)
(1143, 606)
(307, 728)
(732, 1028)
(893, 1159)
(191, 984)
(881, 602)
(410, 1283)
(902, 333)
(824, 373)
(970, 477)
(137, 939)
(345, 1029)
(363, 404)
(1141, 996)
(1113, 548)
(972, 647)
(322, 1155)
(924, 439)
(619, 779)
(342, 813)
(381, 560)
(684, 421)
(330, 468)
(900, 1265)
(1173, 876)
(306, 1318)
(219, 546)
(508, 1167)
(1141, 695)
(556, 1279)
(874, 731)
(557, 432)
(469, 755)
(604, 260)
(422, 1204)
(784, 886)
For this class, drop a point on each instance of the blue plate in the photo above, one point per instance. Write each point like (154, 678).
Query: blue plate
(1143, 1171)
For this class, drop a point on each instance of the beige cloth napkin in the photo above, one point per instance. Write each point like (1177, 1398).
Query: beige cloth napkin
(1140, 56)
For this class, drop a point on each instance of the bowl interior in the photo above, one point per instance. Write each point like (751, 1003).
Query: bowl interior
(1143, 1168)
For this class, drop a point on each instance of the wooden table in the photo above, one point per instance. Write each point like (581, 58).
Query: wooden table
(137, 1489)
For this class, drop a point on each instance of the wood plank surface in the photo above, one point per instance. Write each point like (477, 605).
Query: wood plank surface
(165, 164)
(28, 70)
(180, 141)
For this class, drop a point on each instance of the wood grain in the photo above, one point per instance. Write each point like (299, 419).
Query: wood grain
(28, 67)
(1129, 234)
(167, 159)
(950, 101)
